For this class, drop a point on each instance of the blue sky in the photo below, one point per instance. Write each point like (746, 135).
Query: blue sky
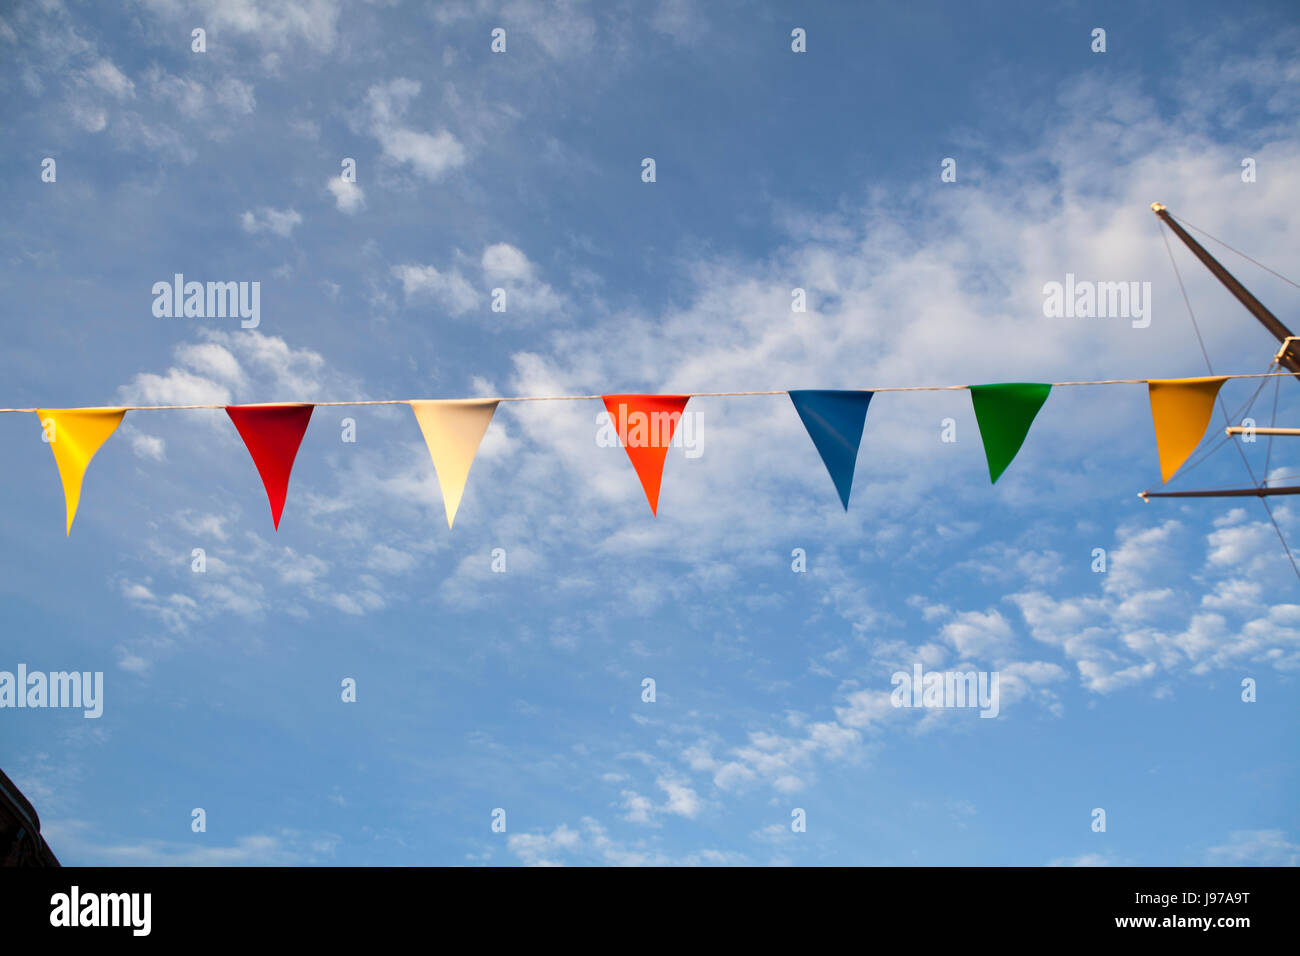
(522, 690)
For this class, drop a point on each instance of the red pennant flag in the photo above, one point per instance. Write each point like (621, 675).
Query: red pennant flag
(645, 425)
(272, 434)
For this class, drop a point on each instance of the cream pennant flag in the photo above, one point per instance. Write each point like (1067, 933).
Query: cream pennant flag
(1180, 411)
(453, 429)
(74, 435)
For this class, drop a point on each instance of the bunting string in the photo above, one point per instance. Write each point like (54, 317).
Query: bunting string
(578, 398)
(453, 429)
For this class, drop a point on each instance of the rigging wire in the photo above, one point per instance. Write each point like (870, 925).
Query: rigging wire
(1272, 421)
(1286, 474)
(1231, 249)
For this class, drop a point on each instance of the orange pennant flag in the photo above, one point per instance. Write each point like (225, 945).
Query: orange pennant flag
(645, 425)
(1180, 410)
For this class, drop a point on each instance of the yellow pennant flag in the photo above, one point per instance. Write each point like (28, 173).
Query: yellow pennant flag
(75, 434)
(453, 430)
(1180, 409)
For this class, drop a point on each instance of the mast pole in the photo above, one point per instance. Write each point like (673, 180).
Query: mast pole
(1289, 355)
(1264, 491)
(1260, 430)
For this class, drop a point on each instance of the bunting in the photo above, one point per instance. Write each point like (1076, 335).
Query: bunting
(75, 434)
(645, 426)
(453, 430)
(272, 434)
(1004, 413)
(834, 420)
(1180, 411)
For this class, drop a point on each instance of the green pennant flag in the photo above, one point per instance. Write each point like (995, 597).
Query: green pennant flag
(1004, 413)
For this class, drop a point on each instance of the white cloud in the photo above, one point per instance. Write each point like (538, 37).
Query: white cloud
(188, 95)
(236, 95)
(504, 261)
(136, 592)
(279, 221)
(390, 560)
(109, 78)
(638, 808)
(1136, 630)
(193, 100)
(561, 29)
(148, 446)
(681, 800)
(277, 25)
(451, 289)
(591, 844)
(432, 155)
(505, 266)
(134, 664)
(89, 117)
(213, 360)
(203, 525)
(282, 369)
(1256, 848)
(176, 386)
(978, 636)
(543, 849)
(211, 373)
(348, 196)
(1086, 859)
(283, 847)
(784, 762)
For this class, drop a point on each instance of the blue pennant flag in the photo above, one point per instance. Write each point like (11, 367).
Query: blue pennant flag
(834, 420)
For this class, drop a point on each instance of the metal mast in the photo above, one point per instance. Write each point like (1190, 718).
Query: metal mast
(1289, 355)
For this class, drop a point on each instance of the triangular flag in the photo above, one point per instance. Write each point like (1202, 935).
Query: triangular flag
(75, 434)
(1004, 413)
(272, 434)
(453, 430)
(834, 420)
(645, 425)
(1180, 409)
